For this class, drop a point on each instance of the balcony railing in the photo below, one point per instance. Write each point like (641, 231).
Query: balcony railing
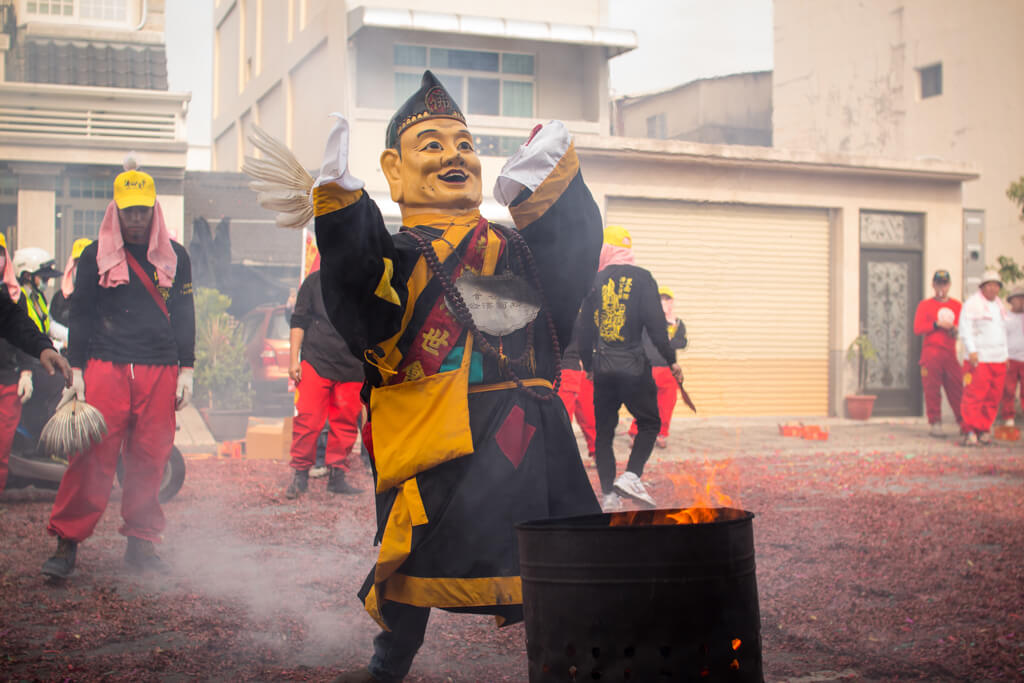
(61, 112)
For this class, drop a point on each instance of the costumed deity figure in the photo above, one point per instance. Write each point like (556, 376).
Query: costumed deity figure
(461, 323)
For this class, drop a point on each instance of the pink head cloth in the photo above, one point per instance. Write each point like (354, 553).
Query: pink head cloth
(612, 255)
(67, 284)
(110, 255)
(13, 288)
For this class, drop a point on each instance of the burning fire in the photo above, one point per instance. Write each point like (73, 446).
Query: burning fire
(705, 499)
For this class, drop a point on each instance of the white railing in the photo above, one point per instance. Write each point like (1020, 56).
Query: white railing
(77, 112)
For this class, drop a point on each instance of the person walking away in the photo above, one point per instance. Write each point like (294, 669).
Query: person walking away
(1015, 350)
(936, 321)
(328, 379)
(132, 349)
(20, 342)
(577, 390)
(668, 389)
(983, 332)
(60, 306)
(622, 305)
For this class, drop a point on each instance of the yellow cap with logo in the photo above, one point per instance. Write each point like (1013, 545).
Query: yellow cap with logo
(79, 246)
(665, 291)
(133, 187)
(3, 240)
(617, 236)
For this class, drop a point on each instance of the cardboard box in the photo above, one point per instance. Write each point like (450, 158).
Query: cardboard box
(271, 441)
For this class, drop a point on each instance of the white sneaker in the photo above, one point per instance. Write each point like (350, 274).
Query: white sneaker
(611, 502)
(1009, 422)
(317, 472)
(629, 485)
(936, 430)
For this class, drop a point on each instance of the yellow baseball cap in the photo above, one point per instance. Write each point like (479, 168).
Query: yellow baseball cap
(665, 291)
(617, 236)
(3, 240)
(133, 187)
(79, 246)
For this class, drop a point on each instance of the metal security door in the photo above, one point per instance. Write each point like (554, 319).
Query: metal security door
(890, 289)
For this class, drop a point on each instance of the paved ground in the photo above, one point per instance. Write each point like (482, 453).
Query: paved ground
(882, 553)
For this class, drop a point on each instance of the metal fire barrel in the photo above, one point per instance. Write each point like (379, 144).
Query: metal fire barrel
(615, 598)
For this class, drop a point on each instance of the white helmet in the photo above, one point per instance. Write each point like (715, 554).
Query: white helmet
(34, 261)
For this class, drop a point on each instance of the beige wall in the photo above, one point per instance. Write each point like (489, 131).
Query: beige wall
(619, 167)
(590, 12)
(733, 109)
(846, 80)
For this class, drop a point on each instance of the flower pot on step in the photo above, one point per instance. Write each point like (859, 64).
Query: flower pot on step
(226, 425)
(859, 406)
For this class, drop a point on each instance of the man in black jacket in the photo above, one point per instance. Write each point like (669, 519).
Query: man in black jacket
(132, 348)
(21, 341)
(328, 379)
(622, 306)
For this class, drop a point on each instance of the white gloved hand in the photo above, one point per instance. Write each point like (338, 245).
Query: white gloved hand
(59, 333)
(25, 386)
(76, 390)
(533, 161)
(334, 168)
(183, 394)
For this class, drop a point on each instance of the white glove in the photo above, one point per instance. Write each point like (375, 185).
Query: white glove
(183, 394)
(334, 169)
(58, 332)
(532, 162)
(76, 390)
(25, 386)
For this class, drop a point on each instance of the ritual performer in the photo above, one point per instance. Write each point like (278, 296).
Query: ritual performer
(668, 387)
(623, 305)
(20, 342)
(577, 390)
(461, 323)
(983, 332)
(132, 349)
(328, 379)
(936, 320)
(60, 307)
(1015, 349)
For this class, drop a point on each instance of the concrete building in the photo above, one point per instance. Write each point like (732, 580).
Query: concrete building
(84, 82)
(727, 110)
(912, 79)
(773, 254)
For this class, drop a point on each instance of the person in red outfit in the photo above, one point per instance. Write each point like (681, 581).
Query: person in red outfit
(577, 391)
(663, 378)
(936, 321)
(1015, 348)
(328, 379)
(131, 348)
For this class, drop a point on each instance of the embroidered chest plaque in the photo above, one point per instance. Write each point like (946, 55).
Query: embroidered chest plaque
(500, 304)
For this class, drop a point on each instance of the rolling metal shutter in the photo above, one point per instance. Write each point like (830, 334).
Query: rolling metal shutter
(752, 285)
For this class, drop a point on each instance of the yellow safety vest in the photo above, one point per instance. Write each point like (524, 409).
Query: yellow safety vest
(38, 310)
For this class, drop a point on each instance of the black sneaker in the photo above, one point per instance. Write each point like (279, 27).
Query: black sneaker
(337, 483)
(141, 555)
(299, 485)
(62, 564)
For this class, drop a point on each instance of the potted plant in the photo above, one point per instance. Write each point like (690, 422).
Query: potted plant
(223, 378)
(859, 405)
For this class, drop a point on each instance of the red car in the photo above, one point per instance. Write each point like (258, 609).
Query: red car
(266, 330)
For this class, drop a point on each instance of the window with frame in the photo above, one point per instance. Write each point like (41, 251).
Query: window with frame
(931, 80)
(656, 126)
(481, 81)
(115, 11)
(91, 188)
(86, 223)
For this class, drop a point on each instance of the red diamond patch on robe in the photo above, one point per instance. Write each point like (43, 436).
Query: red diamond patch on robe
(514, 436)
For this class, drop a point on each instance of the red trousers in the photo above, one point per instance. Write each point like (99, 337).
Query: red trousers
(10, 415)
(983, 389)
(667, 396)
(137, 401)
(939, 368)
(1014, 376)
(577, 393)
(324, 399)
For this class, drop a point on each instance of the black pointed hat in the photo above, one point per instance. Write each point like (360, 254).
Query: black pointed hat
(431, 101)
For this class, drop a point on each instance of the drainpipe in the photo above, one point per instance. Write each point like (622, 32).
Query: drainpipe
(145, 15)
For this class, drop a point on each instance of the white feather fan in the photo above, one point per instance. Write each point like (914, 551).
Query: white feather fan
(281, 183)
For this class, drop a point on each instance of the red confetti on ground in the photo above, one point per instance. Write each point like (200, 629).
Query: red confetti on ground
(873, 564)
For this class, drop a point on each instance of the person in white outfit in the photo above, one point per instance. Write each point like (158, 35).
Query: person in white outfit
(983, 333)
(1015, 348)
